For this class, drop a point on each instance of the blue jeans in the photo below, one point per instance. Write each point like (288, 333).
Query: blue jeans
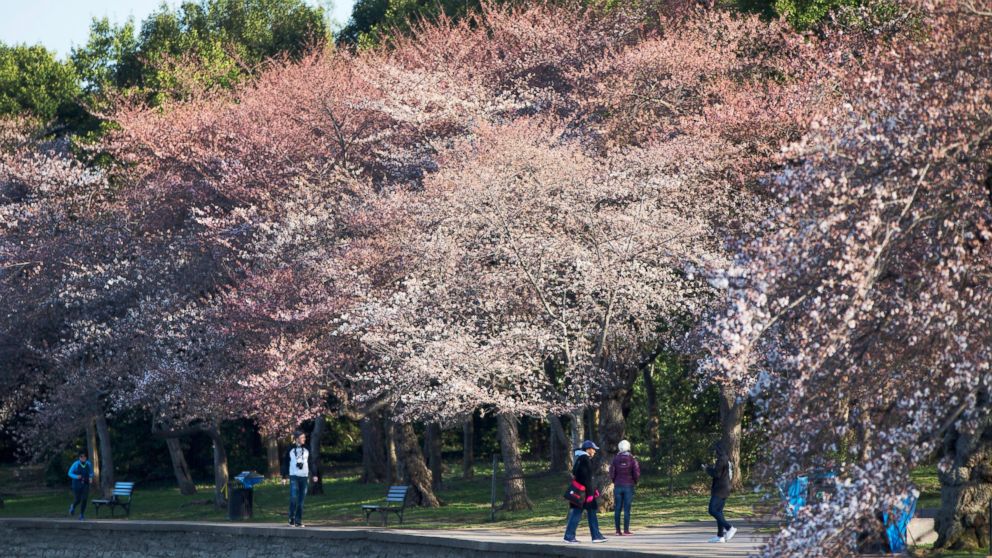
(622, 496)
(716, 510)
(297, 493)
(574, 516)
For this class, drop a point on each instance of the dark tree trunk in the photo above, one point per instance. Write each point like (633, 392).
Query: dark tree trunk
(417, 473)
(731, 416)
(272, 468)
(106, 457)
(654, 420)
(962, 522)
(590, 423)
(220, 465)
(468, 448)
(432, 443)
(92, 449)
(315, 462)
(515, 490)
(612, 428)
(560, 447)
(179, 467)
(374, 464)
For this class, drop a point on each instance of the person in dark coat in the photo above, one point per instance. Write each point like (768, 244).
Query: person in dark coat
(583, 477)
(719, 492)
(81, 473)
(625, 471)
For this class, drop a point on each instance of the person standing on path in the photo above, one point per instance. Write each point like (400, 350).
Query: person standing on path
(582, 476)
(625, 472)
(81, 473)
(719, 492)
(299, 476)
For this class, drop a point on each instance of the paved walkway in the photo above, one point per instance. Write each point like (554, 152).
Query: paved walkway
(684, 540)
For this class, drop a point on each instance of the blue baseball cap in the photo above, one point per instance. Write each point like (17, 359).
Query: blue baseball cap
(589, 444)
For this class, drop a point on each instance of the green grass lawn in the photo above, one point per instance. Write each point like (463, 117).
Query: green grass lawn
(925, 479)
(466, 502)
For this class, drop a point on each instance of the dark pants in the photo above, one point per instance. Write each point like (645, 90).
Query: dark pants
(574, 516)
(297, 493)
(81, 492)
(622, 497)
(716, 510)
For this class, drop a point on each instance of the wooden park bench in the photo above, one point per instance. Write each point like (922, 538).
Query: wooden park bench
(395, 503)
(121, 497)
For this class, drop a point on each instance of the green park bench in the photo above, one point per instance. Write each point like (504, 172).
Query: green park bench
(395, 503)
(121, 497)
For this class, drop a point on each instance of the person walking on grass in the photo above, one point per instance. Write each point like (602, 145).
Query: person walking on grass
(582, 476)
(625, 472)
(81, 473)
(722, 474)
(299, 476)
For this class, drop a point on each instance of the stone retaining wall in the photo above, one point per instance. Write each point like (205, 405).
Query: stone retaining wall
(41, 538)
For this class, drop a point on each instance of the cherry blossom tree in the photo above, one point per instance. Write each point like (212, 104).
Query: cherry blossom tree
(859, 319)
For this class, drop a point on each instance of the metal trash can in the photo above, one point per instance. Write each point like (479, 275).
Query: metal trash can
(241, 495)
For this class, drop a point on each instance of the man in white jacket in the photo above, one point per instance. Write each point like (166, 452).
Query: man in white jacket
(299, 476)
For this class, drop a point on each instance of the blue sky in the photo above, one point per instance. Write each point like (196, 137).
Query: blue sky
(61, 24)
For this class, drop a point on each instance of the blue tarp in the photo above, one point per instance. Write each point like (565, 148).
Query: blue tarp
(898, 523)
(794, 494)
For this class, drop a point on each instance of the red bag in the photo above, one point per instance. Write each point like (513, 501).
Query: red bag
(575, 494)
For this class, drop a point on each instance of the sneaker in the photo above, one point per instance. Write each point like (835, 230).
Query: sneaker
(619, 534)
(571, 541)
(717, 540)
(72, 509)
(300, 525)
(627, 533)
(82, 517)
(730, 534)
(599, 540)
(291, 524)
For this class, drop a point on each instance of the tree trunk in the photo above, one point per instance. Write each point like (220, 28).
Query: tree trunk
(962, 522)
(220, 465)
(612, 427)
(393, 473)
(92, 449)
(272, 462)
(654, 419)
(179, 467)
(417, 473)
(516, 490)
(590, 423)
(731, 415)
(106, 457)
(432, 439)
(315, 464)
(578, 430)
(468, 448)
(374, 463)
(560, 450)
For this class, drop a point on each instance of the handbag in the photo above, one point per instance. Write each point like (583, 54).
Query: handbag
(575, 494)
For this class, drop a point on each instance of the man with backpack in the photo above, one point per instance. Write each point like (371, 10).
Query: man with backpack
(81, 473)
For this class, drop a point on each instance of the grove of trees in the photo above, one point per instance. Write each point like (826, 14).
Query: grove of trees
(527, 216)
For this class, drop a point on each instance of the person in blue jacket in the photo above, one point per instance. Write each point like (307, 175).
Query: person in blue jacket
(81, 473)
